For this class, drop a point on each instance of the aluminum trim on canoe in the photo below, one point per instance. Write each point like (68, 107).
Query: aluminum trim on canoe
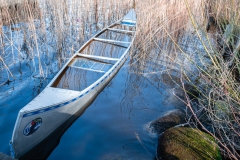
(118, 45)
(88, 69)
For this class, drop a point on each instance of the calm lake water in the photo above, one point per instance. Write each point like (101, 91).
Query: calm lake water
(115, 125)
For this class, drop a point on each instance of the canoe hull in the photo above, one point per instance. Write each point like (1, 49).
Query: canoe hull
(48, 116)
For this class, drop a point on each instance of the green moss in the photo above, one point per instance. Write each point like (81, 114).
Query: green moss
(187, 143)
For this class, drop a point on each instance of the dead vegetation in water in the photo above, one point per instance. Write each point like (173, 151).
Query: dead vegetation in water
(159, 24)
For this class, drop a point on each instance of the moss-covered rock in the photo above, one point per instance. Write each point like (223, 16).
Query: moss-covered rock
(184, 143)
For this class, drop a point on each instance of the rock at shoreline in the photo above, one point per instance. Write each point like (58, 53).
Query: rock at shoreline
(187, 143)
(170, 120)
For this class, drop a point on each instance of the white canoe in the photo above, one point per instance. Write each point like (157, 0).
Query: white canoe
(75, 86)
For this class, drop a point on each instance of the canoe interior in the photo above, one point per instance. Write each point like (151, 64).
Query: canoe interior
(81, 72)
(77, 79)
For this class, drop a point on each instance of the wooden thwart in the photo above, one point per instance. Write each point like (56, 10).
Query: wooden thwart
(114, 44)
(111, 41)
(121, 31)
(97, 57)
(89, 69)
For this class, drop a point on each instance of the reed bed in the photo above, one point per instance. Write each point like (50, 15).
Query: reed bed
(157, 22)
(198, 41)
(203, 35)
(38, 32)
